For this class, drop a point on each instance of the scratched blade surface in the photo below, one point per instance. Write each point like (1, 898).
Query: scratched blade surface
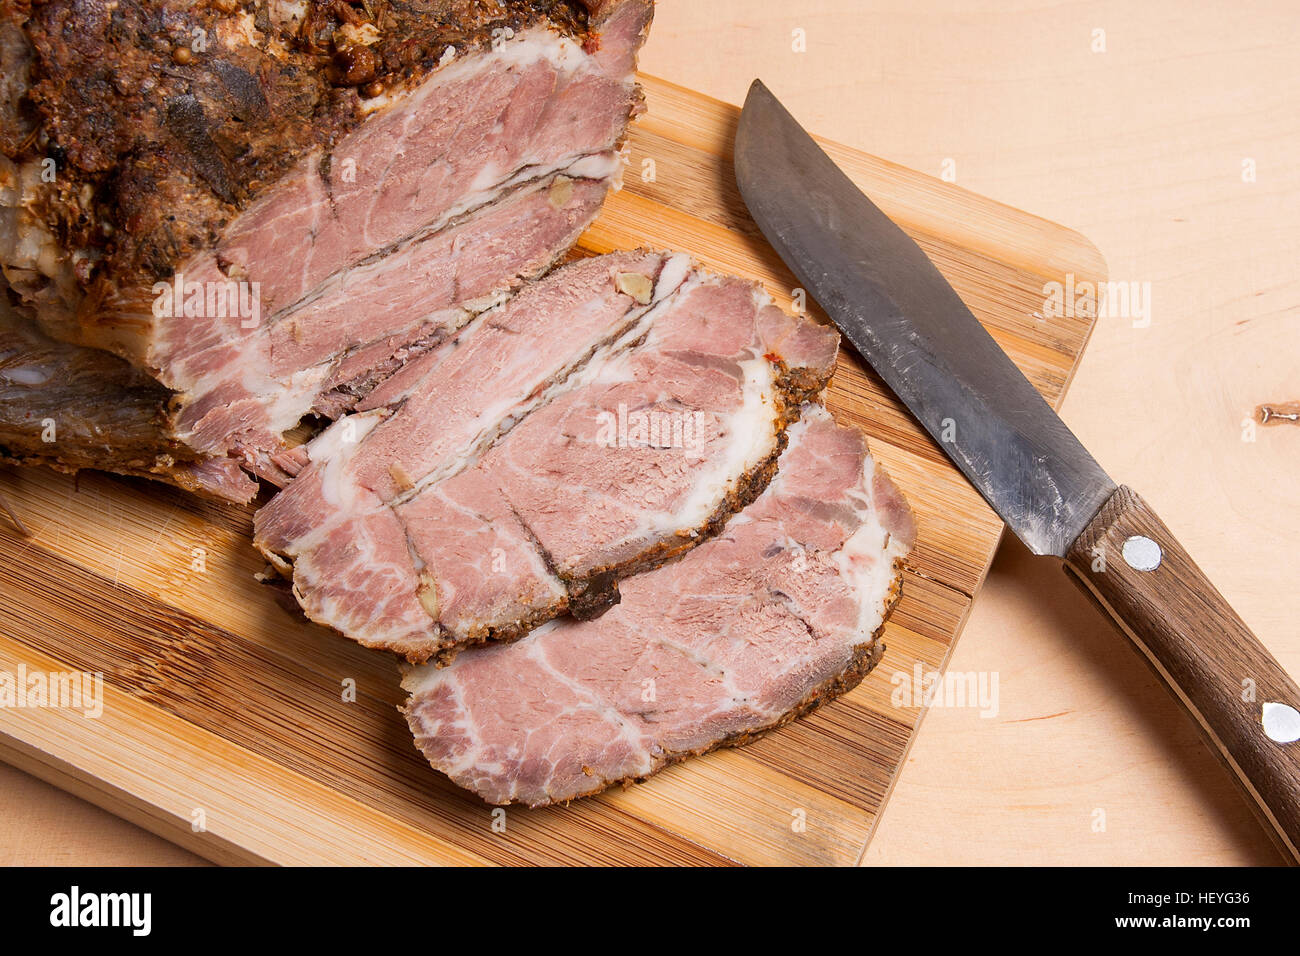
(892, 304)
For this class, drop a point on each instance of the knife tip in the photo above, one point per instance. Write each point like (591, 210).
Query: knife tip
(759, 88)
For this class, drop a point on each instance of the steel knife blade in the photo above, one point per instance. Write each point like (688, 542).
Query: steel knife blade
(902, 316)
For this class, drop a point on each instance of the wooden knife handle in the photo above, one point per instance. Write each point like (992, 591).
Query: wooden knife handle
(1246, 704)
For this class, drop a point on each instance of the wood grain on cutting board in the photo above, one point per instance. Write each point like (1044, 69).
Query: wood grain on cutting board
(224, 710)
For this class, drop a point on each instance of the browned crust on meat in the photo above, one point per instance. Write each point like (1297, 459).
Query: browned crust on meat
(159, 147)
(865, 658)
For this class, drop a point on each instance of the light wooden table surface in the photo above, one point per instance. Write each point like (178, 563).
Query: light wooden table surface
(1145, 146)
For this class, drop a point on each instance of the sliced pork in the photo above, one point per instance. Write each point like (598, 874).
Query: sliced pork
(270, 207)
(779, 613)
(607, 418)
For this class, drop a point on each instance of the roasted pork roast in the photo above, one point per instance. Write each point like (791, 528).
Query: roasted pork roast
(271, 205)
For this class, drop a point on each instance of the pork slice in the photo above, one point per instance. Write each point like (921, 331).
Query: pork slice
(372, 318)
(776, 615)
(271, 221)
(437, 412)
(469, 540)
(670, 438)
(606, 419)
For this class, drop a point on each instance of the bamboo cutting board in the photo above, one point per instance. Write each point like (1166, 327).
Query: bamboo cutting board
(232, 727)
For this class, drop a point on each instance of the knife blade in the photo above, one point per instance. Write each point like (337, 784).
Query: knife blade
(892, 304)
(895, 307)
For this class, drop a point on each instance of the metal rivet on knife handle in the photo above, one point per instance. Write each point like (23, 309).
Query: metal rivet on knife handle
(1141, 553)
(1281, 722)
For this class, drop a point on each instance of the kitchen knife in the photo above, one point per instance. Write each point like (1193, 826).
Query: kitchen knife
(904, 318)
